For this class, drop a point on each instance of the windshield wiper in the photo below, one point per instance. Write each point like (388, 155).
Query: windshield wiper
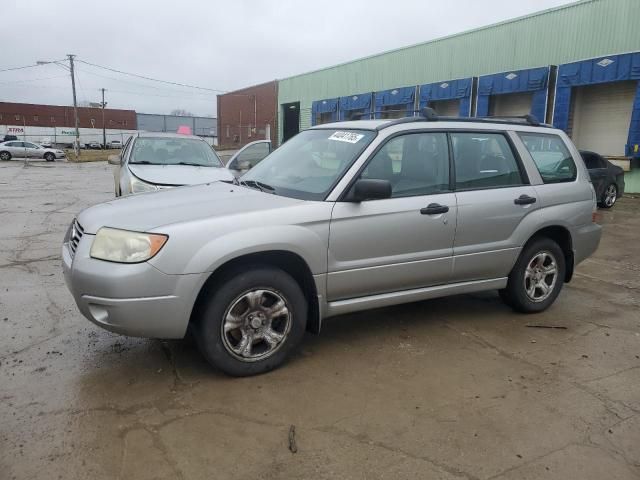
(263, 187)
(191, 164)
(141, 162)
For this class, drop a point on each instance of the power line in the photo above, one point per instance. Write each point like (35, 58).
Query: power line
(23, 67)
(166, 89)
(152, 79)
(32, 80)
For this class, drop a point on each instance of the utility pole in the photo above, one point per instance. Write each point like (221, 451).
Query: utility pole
(104, 131)
(76, 145)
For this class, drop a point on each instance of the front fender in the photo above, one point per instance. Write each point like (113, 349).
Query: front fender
(308, 242)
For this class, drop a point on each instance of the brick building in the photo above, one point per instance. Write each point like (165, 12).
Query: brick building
(245, 115)
(32, 115)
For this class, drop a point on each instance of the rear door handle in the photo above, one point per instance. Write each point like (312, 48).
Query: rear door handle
(524, 200)
(434, 209)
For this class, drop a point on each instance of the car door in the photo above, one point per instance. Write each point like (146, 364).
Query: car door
(16, 149)
(249, 156)
(403, 242)
(493, 197)
(33, 150)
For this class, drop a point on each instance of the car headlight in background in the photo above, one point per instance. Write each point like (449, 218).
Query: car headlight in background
(138, 186)
(123, 246)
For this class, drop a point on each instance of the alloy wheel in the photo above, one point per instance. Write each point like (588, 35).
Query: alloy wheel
(540, 276)
(256, 325)
(610, 195)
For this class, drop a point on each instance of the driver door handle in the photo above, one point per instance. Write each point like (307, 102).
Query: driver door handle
(434, 209)
(524, 200)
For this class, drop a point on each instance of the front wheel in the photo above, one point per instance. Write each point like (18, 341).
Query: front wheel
(49, 157)
(609, 196)
(537, 277)
(252, 321)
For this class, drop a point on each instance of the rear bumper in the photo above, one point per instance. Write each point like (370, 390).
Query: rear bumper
(136, 299)
(585, 241)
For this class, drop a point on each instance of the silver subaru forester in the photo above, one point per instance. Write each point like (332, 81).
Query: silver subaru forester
(343, 217)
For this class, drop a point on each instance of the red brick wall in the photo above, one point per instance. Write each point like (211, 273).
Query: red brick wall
(236, 115)
(62, 116)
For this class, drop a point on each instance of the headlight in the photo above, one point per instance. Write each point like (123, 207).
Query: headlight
(123, 246)
(138, 186)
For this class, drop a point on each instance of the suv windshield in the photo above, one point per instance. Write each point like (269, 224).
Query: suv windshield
(309, 165)
(174, 151)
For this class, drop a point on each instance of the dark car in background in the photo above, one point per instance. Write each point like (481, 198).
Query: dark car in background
(607, 178)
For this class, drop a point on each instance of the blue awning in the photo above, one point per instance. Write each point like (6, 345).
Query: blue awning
(450, 90)
(395, 96)
(403, 97)
(325, 106)
(531, 80)
(319, 107)
(356, 102)
(613, 68)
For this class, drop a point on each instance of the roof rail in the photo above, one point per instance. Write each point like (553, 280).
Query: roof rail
(430, 115)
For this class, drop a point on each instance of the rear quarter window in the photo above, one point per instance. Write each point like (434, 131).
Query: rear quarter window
(551, 157)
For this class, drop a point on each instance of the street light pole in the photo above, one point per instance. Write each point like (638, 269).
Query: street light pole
(76, 145)
(104, 131)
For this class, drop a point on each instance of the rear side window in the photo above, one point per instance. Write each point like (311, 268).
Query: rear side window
(484, 160)
(551, 156)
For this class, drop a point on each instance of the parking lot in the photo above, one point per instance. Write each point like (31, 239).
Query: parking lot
(454, 388)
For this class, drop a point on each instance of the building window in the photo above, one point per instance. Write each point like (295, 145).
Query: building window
(249, 131)
(125, 123)
(36, 118)
(228, 132)
(53, 119)
(17, 117)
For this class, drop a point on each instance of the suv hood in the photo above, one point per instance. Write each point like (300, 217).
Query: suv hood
(179, 174)
(146, 211)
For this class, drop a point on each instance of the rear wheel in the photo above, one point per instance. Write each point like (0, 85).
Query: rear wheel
(609, 196)
(5, 156)
(49, 157)
(537, 277)
(252, 321)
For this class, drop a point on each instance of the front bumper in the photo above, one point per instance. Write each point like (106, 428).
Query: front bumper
(131, 299)
(60, 155)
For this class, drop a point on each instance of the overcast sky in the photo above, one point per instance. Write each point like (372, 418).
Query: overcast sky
(221, 45)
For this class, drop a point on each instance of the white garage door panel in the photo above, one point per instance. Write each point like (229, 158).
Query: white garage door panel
(511, 104)
(447, 108)
(601, 116)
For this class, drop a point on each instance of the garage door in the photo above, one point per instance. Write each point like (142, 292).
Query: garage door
(600, 116)
(447, 108)
(510, 104)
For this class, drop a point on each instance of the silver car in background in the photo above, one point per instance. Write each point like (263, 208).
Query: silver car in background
(22, 149)
(154, 161)
(342, 217)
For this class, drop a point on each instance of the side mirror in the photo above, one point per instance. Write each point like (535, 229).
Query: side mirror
(371, 189)
(114, 159)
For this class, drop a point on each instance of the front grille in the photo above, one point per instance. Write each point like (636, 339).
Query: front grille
(76, 234)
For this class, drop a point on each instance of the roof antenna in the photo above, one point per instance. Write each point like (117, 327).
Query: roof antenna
(430, 114)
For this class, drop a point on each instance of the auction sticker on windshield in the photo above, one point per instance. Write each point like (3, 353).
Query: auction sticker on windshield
(348, 137)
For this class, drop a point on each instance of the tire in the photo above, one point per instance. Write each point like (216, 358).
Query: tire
(5, 156)
(524, 292)
(49, 157)
(251, 321)
(609, 196)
